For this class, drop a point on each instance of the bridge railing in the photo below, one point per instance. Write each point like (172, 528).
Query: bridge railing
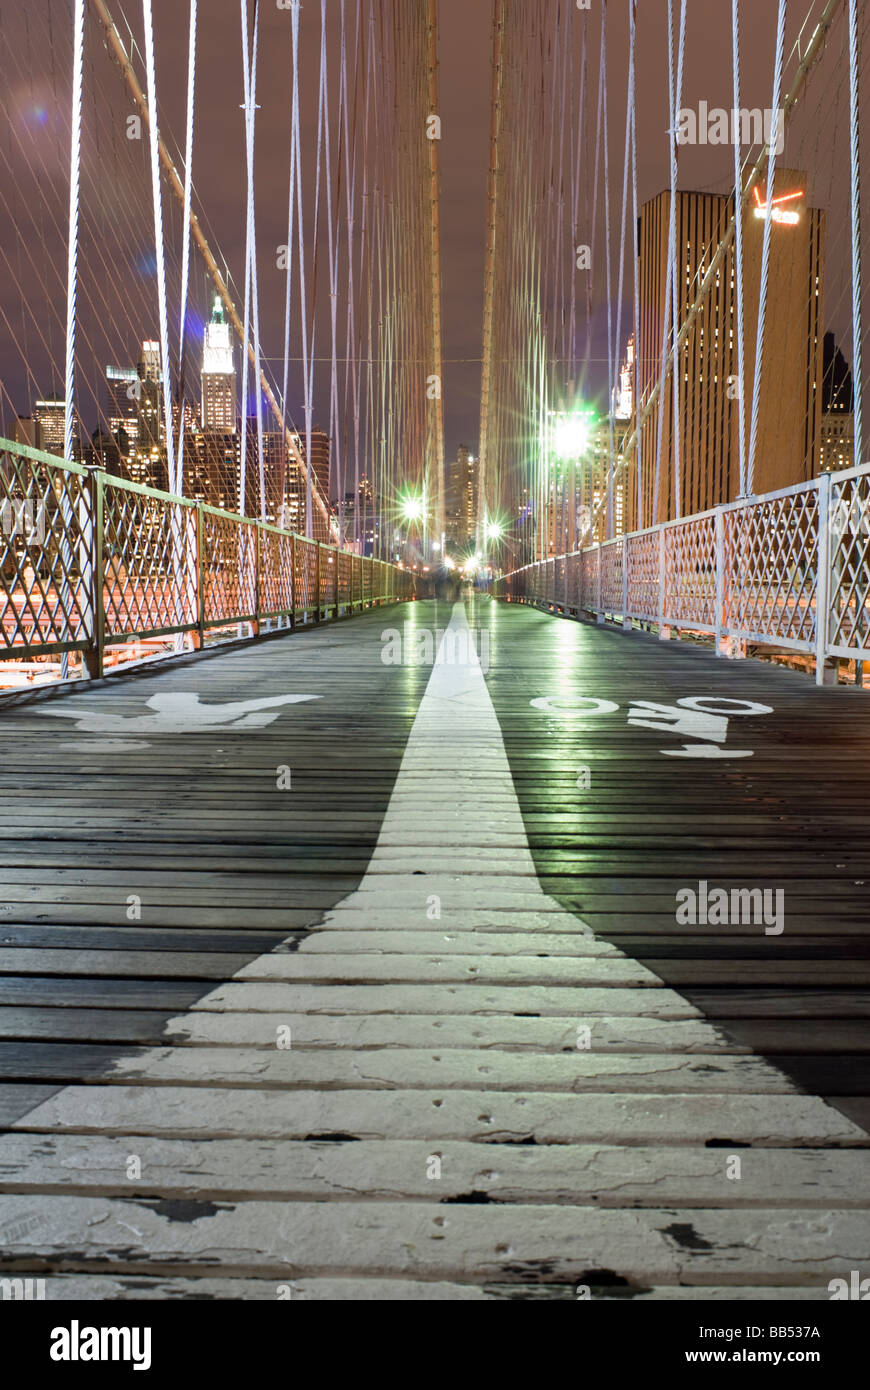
(89, 561)
(788, 569)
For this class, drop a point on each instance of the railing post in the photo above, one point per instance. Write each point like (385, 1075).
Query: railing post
(626, 620)
(664, 632)
(719, 599)
(255, 625)
(199, 635)
(317, 585)
(826, 672)
(93, 656)
(293, 582)
(336, 580)
(599, 612)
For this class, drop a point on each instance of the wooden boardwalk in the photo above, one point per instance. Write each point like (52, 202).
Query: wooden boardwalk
(383, 992)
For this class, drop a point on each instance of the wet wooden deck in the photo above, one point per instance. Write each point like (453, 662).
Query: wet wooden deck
(424, 1023)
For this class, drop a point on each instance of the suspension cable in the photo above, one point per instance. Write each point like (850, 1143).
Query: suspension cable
(765, 254)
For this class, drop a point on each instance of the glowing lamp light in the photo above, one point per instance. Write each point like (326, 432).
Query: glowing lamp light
(785, 216)
(571, 436)
(412, 509)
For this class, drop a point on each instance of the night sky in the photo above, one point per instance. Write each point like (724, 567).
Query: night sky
(35, 80)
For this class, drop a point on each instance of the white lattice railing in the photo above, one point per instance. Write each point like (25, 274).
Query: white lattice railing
(761, 570)
(88, 560)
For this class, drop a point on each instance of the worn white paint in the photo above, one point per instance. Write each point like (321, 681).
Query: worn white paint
(179, 712)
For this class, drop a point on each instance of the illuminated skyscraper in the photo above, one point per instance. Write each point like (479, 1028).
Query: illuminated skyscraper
(123, 411)
(49, 419)
(838, 404)
(152, 424)
(711, 395)
(623, 395)
(218, 374)
(461, 498)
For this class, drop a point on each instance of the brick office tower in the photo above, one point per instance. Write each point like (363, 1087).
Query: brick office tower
(789, 421)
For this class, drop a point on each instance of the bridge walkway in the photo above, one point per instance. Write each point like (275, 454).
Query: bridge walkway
(330, 973)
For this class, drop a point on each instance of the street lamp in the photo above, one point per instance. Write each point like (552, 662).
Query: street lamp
(571, 435)
(412, 508)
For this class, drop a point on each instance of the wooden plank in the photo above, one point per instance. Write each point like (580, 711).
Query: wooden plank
(476, 1116)
(773, 1246)
(142, 965)
(407, 1068)
(136, 1287)
(18, 1099)
(132, 938)
(462, 998)
(170, 995)
(566, 1174)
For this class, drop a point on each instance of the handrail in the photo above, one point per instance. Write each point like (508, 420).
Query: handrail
(718, 573)
(89, 560)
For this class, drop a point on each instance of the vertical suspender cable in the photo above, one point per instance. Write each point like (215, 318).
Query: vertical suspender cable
(119, 54)
(178, 487)
(855, 162)
(611, 349)
(738, 231)
(496, 176)
(158, 233)
(255, 292)
(622, 226)
(243, 480)
(677, 277)
(332, 236)
(594, 236)
(635, 242)
(252, 299)
(309, 519)
(668, 282)
(73, 249)
(365, 274)
(436, 406)
(71, 295)
(765, 255)
(289, 288)
(629, 115)
(344, 152)
(812, 53)
(575, 202)
(308, 354)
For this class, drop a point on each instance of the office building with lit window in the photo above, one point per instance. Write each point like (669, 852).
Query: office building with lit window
(218, 374)
(710, 392)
